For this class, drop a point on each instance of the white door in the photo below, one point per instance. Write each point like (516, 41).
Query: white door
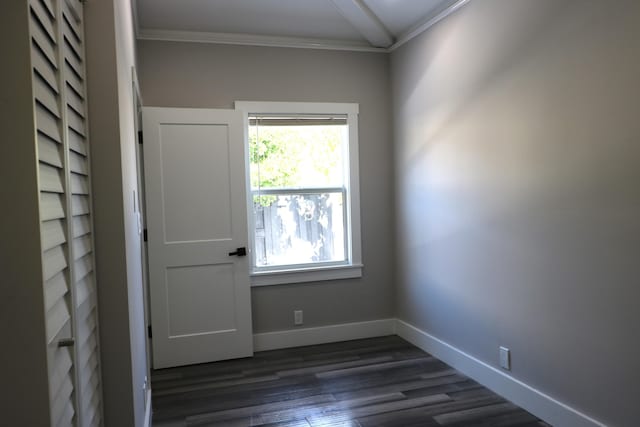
(197, 219)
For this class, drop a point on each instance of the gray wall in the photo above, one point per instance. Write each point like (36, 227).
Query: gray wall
(110, 56)
(23, 359)
(518, 168)
(214, 76)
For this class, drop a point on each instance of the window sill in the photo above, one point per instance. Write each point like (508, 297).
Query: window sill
(317, 274)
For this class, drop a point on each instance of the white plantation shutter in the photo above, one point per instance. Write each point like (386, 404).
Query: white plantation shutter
(57, 52)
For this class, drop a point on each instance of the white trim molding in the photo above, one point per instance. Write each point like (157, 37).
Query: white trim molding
(323, 334)
(523, 395)
(147, 409)
(352, 266)
(256, 40)
(320, 274)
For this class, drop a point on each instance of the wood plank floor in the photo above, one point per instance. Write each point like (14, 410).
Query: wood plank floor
(365, 383)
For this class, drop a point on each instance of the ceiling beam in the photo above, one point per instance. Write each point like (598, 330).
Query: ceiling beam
(257, 40)
(432, 20)
(365, 21)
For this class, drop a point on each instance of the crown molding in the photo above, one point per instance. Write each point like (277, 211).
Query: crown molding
(292, 42)
(256, 40)
(428, 23)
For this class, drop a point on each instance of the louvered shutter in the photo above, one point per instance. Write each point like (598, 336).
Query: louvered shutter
(65, 211)
(79, 183)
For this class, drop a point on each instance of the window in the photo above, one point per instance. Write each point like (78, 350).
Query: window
(303, 201)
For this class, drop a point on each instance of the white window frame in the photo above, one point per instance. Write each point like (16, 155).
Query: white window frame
(352, 268)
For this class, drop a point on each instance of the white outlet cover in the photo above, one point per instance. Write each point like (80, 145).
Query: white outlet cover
(505, 358)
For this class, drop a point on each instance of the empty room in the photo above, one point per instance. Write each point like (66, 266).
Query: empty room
(337, 213)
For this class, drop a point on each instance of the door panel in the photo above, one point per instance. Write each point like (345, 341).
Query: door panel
(196, 182)
(190, 293)
(196, 216)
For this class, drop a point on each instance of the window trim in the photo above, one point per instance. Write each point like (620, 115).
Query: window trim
(352, 268)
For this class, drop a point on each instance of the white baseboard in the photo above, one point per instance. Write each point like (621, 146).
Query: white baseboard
(543, 406)
(323, 334)
(147, 411)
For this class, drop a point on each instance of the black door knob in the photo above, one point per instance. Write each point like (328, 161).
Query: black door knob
(239, 252)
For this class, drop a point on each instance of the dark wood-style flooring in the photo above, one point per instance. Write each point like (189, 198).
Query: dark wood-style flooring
(373, 382)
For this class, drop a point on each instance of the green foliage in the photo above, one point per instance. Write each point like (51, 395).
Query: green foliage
(295, 157)
(264, 201)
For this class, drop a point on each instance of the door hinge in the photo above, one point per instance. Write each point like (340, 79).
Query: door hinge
(144, 235)
(149, 332)
(140, 137)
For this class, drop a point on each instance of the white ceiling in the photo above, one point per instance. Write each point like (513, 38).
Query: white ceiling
(356, 23)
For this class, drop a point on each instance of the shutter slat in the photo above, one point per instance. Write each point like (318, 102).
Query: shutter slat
(81, 246)
(49, 7)
(89, 376)
(54, 289)
(53, 234)
(90, 405)
(66, 419)
(47, 123)
(78, 164)
(60, 369)
(79, 184)
(83, 267)
(50, 179)
(53, 261)
(79, 205)
(88, 349)
(49, 151)
(81, 225)
(77, 143)
(83, 290)
(85, 332)
(73, 47)
(93, 401)
(43, 17)
(46, 96)
(85, 309)
(44, 69)
(75, 121)
(57, 318)
(51, 206)
(72, 59)
(91, 382)
(73, 80)
(61, 402)
(69, 17)
(75, 102)
(46, 45)
(95, 422)
(90, 365)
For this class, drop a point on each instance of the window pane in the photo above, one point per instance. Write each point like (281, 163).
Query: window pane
(299, 228)
(307, 156)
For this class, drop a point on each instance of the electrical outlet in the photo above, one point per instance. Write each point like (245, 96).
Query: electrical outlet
(505, 358)
(297, 317)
